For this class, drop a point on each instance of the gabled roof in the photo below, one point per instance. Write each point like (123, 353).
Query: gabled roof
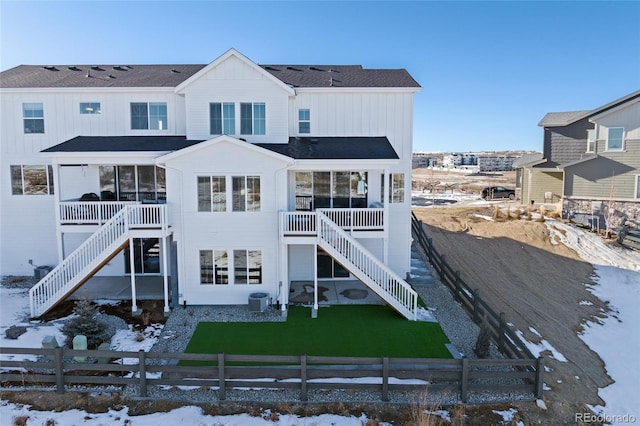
(307, 76)
(559, 119)
(123, 144)
(335, 148)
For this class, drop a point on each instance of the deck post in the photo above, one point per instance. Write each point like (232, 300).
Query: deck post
(165, 274)
(132, 267)
(385, 219)
(314, 313)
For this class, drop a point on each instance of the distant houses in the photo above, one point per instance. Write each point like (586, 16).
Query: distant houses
(482, 162)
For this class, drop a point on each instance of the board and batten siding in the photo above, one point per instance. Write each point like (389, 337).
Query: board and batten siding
(235, 81)
(195, 231)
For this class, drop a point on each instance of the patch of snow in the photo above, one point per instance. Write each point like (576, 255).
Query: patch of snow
(585, 303)
(544, 345)
(507, 415)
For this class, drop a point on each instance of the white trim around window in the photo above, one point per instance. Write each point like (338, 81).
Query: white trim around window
(637, 189)
(230, 267)
(226, 193)
(591, 140)
(615, 139)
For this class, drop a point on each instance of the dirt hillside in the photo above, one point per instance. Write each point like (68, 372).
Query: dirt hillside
(537, 283)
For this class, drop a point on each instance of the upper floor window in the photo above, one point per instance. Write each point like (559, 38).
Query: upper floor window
(253, 118)
(615, 139)
(33, 115)
(591, 140)
(90, 108)
(31, 180)
(212, 194)
(222, 118)
(396, 186)
(149, 116)
(246, 193)
(304, 121)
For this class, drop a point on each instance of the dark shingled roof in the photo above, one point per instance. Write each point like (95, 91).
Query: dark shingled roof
(24, 76)
(28, 76)
(310, 148)
(340, 76)
(122, 144)
(335, 148)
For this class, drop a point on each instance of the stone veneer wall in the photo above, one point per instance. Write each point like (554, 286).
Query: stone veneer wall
(581, 211)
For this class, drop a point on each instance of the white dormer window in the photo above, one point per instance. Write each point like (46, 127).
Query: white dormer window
(304, 121)
(615, 139)
(591, 140)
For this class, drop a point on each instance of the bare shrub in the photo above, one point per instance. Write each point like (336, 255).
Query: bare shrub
(422, 413)
(508, 217)
(483, 340)
(145, 317)
(496, 212)
(20, 420)
(543, 211)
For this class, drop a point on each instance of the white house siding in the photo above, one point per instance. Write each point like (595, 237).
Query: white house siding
(26, 219)
(235, 81)
(195, 231)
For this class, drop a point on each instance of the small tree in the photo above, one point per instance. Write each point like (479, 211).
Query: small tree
(483, 341)
(87, 324)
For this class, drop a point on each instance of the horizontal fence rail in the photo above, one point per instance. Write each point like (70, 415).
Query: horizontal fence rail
(500, 332)
(62, 368)
(89, 212)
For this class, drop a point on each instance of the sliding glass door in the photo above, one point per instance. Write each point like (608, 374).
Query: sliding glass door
(344, 189)
(132, 183)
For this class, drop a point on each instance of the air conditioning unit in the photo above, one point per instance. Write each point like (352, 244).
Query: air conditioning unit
(40, 272)
(258, 302)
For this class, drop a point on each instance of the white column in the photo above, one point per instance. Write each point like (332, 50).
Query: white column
(56, 188)
(386, 202)
(315, 280)
(132, 266)
(165, 273)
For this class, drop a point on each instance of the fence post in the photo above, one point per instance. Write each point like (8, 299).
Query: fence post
(476, 309)
(142, 370)
(502, 331)
(464, 385)
(539, 382)
(456, 284)
(385, 379)
(59, 371)
(222, 391)
(303, 377)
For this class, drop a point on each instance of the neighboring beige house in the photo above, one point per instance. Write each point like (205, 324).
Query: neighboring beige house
(590, 167)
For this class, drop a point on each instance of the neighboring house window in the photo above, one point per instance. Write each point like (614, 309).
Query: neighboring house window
(246, 193)
(396, 184)
(31, 180)
(33, 116)
(149, 116)
(304, 121)
(615, 139)
(247, 267)
(591, 140)
(214, 267)
(253, 118)
(222, 118)
(212, 194)
(90, 108)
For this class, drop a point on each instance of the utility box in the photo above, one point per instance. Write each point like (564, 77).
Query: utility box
(41, 271)
(80, 344)
(258, 302)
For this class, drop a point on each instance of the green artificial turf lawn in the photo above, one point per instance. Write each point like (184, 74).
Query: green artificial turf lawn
(353, 330)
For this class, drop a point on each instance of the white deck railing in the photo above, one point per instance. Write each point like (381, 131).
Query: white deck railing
(89, 212)
(304, 223)
(89, 256)
(367, 267)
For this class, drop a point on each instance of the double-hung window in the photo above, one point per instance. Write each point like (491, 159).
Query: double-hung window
(615, 139)
(214, 267)
(247, 267)
(149, 116)
(212, 194)
(396, 186)
(253, 119)
(33, 117)
(304, 121)
(591, 140)
(31, 180)
(222, 118)
(246, 193)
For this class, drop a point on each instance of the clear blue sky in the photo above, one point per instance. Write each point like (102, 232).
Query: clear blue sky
(489, 70)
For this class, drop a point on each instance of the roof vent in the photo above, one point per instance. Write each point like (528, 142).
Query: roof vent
(315, 68)
(119, 68)
(96, 68)
(50, 68)
(292, 68)
(74, 68)
(110, 76)
(271, 68)
(175, 71)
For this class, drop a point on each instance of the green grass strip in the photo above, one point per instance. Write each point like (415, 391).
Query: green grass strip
(348, 330)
